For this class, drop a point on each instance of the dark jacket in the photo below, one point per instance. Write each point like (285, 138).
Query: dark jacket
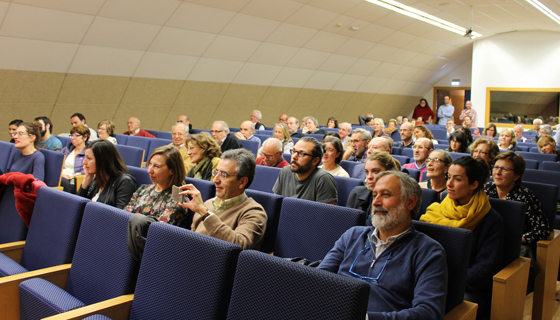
(297, 135)
(231, 142)
(361, 198)
(117, 192)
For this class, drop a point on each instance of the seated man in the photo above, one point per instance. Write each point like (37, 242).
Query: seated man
(519, 131)
(180, 133)
(408, 275)
(422, 149)
(283, 118)
(79, 119)
(226, 140)
(467, 123)
(247, 132)
(406, 132)
(311, 125)
(293, 126)
(380, 144)
(272, 154)
(358, 143)
(303, 179)
(185, 120)
(344, 131)
(256, 117)
(48, 141)
(134, 129)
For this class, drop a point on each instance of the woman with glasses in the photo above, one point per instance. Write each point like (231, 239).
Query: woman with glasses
(437, 167)
(26, 158)
(485, 149)
(458, 142)
(12, 128)
(467, 206)
(547, 145)
(332, 155)
(106, 131)
(154, 202)
(75, 153)
(490, 130)
(508, 141)
(205, 154)
(361, 196)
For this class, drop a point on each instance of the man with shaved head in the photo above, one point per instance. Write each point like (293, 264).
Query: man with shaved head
(247, 132)
(380, 144)
(283, 118)
(422, 149)
(186, 121)
(271, 154)
(134, 129)
(406, 132)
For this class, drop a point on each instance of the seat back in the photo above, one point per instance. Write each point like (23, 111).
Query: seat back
(457, 243)
(513, 215)
(250, 145)
(196, 282)
(408, 152)
(5, 152)
(267, 287)
(272, 204)
(164, 135)
(66, 141)
(53, 229)
(396, 150)
(132, 156)
(547, 195)
(207, 188)
(344, 187)
(549, 166)
(154, 144)
(429, 196)
(121, 138)
(53, 167)
(140, 175)
(543, 176)
(265, 178)
(439, 134)
(12, 227)
(139, 142)
(402, 159)
(457, 155)
(413, 173)
(102, 267)
(309, 229)
(359, 172)
(349, 165)
(531, 164)
(540, 157)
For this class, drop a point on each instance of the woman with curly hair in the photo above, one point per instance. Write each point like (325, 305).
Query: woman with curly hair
(205, 154)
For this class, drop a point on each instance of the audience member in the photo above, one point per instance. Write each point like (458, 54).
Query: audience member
(404, 119)
(224, 139)
(205, 155)
(75, 153)
(507, 140)
(331, 134)
(256, 117)
(458, 142)
(450, 127)
(303, 179)
(380, 144)
(378, 128)
(406, 136)
(391, 126)
(187, 122)
(231, 215)
(247, 132)
(332, 156)
(368, 122)
(293, 126)
(544, 130)
(519, 131)
(437, 168)
(445, 112)
(134, 129)
(399, 120)
(547, 145)
(271, 154)
(25, 157)
(468, 112)
(421, 131)
(415, 286)
(467, 133)
(485, 149)
(467, 206)
(468, 123)
(107, 179)
(154, 202)
(180, 134)
(332, 123)
(106, 131)
(281, 133)
(79, 119)
(283, 118)
(490, 130)
(12, 128)
(422, 149)
(48, 140)
(419, 120)
(361, 196)
(536, 125)
(344, 131)
(311, 125)
(362, 120)
(423, 110)
(358, 143)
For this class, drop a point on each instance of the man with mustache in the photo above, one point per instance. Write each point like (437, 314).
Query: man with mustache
(303, 179)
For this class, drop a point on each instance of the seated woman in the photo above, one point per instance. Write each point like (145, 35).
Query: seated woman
(361, 197)
(75, 154)
(485, 149)
(437, 167)
(490, 130)
(547, 145)
(467, 132)
(106, 131)
(391, 126)
(421, 131)
(12, 128)
(458, 142)
(332, 156)
(205, 154)
(467, 206)
(378, 127)
(107, 179)
(154, 202)
(26, 158)
(332, 123)
(281, 133)
(508, 141)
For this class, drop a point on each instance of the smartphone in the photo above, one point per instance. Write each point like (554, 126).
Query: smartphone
(176, 196)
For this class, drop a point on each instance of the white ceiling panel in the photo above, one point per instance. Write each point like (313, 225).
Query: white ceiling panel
(325, 41)
(257, 74)
(405, 73)
(291, 35)
(273, 54)
(372, 85)
(339, 6)
(146, 11)
(231, 5)
(418, 44)
(308, 59)
(195, 17)
(35, 55)
(339, 24)
(122, 34)
(105, 61)
(394, 21)
(364, 67)
(338, 63)
(351, 31)
(250, 27)
(278, 10)
(386, 70)
(312, 17)
(392, 86)
(349, 82)
(323, 80)
(165, 66)
(420, 60)
(78, 6)
(398, 39)
(24, 21)
(355, 47)
(292, 77)
(178, 41)
(367, 12)
(374, 33)
(215, 70)
(230, 48)
(380, 52)
(401, 56)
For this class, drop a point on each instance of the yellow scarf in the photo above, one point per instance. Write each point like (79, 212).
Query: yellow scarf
(449, 213)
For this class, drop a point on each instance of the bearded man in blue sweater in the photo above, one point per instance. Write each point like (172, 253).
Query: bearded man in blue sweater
(406, 270)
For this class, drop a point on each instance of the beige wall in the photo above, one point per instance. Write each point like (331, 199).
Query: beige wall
(157, 102)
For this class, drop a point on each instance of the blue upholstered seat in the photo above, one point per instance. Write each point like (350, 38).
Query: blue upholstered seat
(53, 167)
(12, 227)
(132, 156)
(265, 178)
(345, 187)
(207, 188)
(272, 204)
(140, 175)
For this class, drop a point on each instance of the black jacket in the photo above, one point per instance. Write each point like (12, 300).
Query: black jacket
(117, 192)
(361, 198)
(231, 142)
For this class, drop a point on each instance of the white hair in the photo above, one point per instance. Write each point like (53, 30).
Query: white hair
(259, 114)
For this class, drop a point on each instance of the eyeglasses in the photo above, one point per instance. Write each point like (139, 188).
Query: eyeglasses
(435, 160)
(75, 136)
(21, 133)
(357, 141)
(369, 278)
(222, 174)
(405, 130)
(329, 150)
(504, 169)
(481, 152)
(300, 153)
(269, 157)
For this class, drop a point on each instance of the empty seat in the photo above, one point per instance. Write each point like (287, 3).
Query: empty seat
(413, 173)
(349, 165)
(272, 204)
(401, 159)
(344, 187)
(121, 138)
(429, 196)
(540, 157)
(53, 167)
(5, 152)
(550, 166)
(542, 176)
(250, 145)
(139, 142)
(12, 227)
(265, 178)
(154, 144)
(547, 194)
(132, 156)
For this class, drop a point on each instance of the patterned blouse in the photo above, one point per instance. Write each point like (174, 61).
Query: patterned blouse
(536, 224)
(159, 205)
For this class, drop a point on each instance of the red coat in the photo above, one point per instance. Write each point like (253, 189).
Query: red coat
(141, 133)
(25, 192)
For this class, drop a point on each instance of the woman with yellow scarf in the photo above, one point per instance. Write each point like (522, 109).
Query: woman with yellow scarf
(466, 206)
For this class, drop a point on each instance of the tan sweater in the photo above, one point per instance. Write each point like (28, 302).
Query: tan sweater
(243, 224)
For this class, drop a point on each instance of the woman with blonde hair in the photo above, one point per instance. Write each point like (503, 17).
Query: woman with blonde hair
(378, 127)
(391, 126)
(205, 154)
(106, 131)
(508, 141)
(547, 145)
(282, 133)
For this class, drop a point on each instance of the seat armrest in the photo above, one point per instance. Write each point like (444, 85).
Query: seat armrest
(13, 250)
(510, 288)
(79, 180)
(466, 310)
(544, 297)
(117, 309)
(9, 287)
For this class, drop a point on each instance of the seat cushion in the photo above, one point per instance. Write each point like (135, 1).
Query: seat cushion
(40, 298)
(9, 267)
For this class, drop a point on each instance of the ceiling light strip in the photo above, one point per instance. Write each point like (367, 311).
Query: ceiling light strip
(544, 9)
(422, 16)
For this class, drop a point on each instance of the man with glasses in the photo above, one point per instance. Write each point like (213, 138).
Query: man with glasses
(180, 133)
(231, 215)
(406, 269)
(303, 179)
(383, 143)
(283, 118)
(405, 131)
(358, 144)
(226, 140)
(271, 154)
(422, 149)
(133, 125)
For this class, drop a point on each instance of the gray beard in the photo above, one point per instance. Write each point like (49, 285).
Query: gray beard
(393, 218)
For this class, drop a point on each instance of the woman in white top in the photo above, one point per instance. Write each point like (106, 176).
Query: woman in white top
(73, 165)
(332, 155)
(106, 130)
